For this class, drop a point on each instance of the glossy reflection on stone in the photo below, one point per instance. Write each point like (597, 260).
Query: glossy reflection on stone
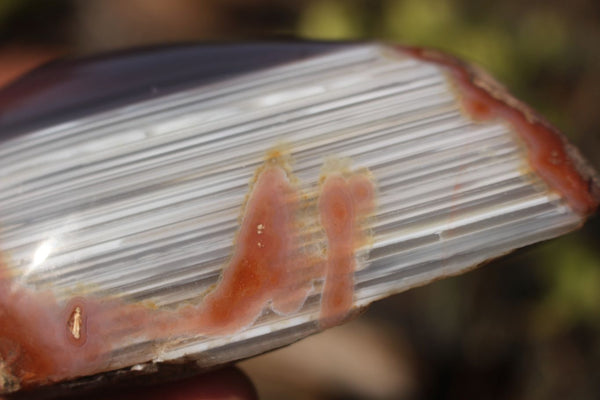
(275, 264)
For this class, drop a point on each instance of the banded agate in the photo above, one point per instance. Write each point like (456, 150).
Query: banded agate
(200, 205)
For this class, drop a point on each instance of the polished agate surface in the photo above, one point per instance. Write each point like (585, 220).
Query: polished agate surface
(235, 216)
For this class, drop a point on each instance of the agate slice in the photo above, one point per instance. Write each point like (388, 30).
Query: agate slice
(172, 210)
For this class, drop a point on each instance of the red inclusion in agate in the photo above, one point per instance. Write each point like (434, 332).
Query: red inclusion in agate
(550, 155)
(265, 266)
(270, 268)
(36, 339)
(342, 205)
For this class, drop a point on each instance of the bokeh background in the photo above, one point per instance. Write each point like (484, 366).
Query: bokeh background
(524, 327)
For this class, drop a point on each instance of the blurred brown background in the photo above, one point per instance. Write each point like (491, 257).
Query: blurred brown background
(524, 327)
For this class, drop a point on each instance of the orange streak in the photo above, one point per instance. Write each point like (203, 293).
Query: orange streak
(343, 203)
(18, 60)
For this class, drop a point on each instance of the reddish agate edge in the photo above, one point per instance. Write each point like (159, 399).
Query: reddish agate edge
(551, 156)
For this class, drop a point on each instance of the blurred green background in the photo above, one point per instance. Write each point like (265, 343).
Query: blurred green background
(524, 327)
